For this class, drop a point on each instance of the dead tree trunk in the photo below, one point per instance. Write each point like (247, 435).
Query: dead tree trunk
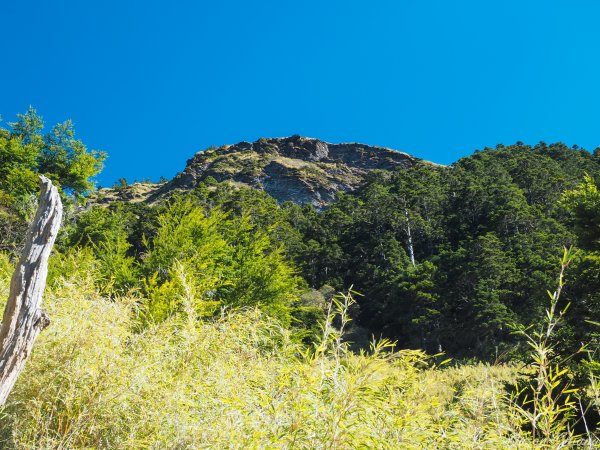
(23, 318)
(411, 250)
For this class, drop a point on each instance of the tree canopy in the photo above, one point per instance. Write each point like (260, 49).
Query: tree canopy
(26, 150)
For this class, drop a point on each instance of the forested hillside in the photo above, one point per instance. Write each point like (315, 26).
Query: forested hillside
(445, 258)
(220, 299)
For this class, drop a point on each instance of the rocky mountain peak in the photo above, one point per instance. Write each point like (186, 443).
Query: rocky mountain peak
(296, 147)
(295, 168)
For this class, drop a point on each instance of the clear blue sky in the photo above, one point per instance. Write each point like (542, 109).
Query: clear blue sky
(153, 82)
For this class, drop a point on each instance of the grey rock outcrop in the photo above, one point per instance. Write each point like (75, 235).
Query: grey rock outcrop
(295, 168)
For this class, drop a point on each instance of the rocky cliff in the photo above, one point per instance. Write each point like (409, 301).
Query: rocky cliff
(298, 169)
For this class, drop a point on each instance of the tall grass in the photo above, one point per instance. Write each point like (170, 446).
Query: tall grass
(549, 403)
(239, 381)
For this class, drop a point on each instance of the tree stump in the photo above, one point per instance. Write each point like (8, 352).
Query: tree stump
(23, 318)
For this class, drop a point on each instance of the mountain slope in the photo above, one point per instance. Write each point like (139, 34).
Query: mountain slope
(298, 169)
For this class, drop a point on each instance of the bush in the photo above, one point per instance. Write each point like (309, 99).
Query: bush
(216, 260)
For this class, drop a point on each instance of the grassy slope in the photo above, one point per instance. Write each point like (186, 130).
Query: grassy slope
(238, 382)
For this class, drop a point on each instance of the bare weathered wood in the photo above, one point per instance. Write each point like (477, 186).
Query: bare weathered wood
(23, 318)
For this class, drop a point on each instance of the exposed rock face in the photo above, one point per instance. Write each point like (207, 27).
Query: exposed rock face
(298, 169)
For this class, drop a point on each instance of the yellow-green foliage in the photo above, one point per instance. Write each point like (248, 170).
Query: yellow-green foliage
(222, 261)
(238, 381)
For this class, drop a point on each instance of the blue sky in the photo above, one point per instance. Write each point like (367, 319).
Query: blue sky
(153, 82)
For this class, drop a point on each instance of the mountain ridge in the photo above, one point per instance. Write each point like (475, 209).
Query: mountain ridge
(295, 168)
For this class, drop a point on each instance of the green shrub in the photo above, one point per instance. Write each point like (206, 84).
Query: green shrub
(224, 262)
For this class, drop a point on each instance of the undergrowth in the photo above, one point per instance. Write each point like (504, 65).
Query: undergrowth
(97, 380)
